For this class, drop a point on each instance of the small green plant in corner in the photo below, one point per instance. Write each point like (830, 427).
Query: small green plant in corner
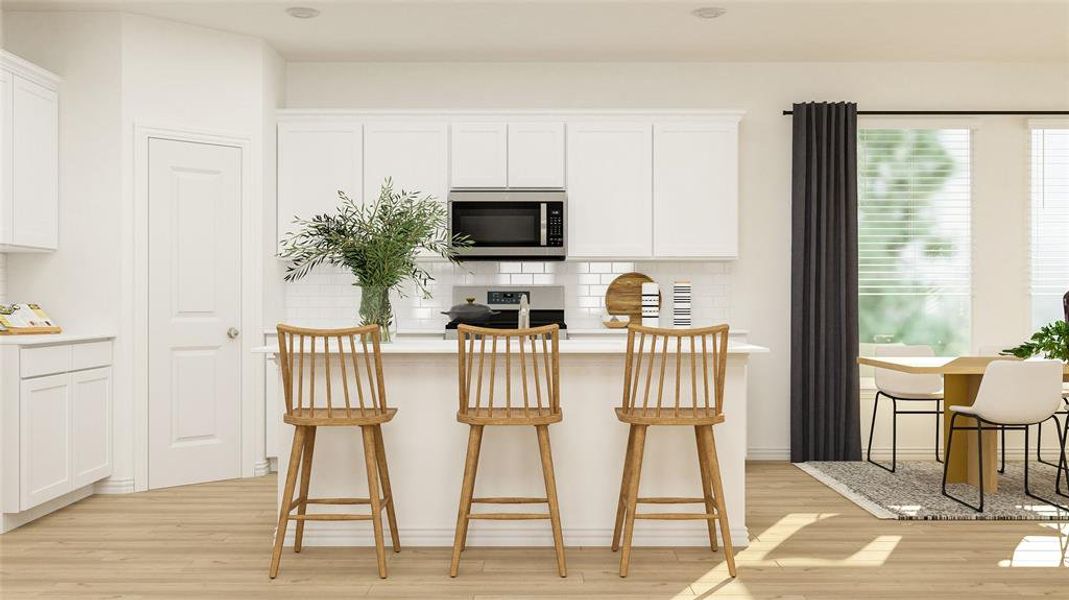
(379, 242)
(1052, 341)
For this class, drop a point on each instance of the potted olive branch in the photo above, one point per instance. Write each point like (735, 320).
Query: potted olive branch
(379, 242)
(1052, 340)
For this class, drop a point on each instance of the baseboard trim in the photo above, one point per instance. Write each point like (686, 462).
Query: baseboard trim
(354, 535)
(261, 468)
(1013, 453)
(115, 485)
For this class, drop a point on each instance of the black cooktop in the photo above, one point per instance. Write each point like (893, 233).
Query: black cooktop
(510, 319)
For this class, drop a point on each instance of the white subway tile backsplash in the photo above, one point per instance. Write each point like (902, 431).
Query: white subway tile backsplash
(327, 298)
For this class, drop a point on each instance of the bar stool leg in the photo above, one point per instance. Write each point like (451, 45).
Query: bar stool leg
(551, 495)
(287, 499)
(467, 490)
(718, 492)
(374, 499)
(384, 478)
(306, 477)
(474, 479)
(707, 487)
(632, 496)
(621, 504)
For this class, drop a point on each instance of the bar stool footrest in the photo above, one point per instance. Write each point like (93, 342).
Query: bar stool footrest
(508, 516)
(509, 500)
(676, 516)
(670, 500)
(330, 517)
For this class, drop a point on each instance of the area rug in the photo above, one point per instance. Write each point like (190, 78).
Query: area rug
(913, 492)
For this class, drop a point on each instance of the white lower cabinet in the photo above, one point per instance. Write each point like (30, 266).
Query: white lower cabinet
(45, 444)
(57, 421)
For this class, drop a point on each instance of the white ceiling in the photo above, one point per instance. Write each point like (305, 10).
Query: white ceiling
(620, 30)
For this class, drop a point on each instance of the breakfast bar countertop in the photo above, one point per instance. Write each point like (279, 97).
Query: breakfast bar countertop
(437, 345)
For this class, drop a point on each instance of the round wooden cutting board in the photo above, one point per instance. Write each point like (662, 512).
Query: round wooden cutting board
(624, 296)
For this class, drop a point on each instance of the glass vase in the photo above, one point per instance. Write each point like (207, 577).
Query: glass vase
(375, 308)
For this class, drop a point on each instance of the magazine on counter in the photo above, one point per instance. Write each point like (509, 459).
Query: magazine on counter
(25, 318)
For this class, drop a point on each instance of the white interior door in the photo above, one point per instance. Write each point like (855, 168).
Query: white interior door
(194, 199)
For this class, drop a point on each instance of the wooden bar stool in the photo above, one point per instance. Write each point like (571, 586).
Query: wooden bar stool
(705, 361)
(536, 356)
(357, 361)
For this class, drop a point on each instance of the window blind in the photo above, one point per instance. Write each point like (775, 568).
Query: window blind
(914, 205)
(1050, 223)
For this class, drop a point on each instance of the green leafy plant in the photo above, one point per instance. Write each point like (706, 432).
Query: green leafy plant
(378, 242)
(1052, 341)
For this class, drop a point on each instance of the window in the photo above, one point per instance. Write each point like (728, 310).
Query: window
(1050, 223)
(913, 237)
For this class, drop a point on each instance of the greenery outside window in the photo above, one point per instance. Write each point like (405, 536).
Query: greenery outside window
(914, 205)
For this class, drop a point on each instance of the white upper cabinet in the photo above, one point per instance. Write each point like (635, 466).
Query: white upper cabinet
(536, 155)
(316, 160)
(695, 189)
(610, 199)
(415, 154)
(478, 157)
(29, 157)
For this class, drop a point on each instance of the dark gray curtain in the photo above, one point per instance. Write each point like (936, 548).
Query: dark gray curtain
(824, 337)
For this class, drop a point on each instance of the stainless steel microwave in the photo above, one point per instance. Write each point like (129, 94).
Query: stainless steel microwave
(510, 224)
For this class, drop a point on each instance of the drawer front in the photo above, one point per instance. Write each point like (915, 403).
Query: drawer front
(46, 360)
(91, 355)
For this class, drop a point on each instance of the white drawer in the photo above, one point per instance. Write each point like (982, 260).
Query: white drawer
(34, 362)
(91, 355)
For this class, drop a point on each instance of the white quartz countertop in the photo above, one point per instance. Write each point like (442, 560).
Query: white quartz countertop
(47, 339)
(588, 346)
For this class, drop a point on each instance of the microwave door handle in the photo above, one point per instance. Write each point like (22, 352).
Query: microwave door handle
(542, 224)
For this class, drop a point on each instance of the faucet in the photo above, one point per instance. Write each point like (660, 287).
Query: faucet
(525, 313)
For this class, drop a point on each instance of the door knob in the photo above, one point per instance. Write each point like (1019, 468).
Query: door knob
(232, 332)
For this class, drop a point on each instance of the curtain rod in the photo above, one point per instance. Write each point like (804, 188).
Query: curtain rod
(955, 112)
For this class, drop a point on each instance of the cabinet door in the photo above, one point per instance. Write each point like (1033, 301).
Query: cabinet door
(6, 180)
(315, 162)
(415, 155)
(35, 157)
(45, 433)
(609, 190)
(536, 155)
(478, 155)
(695, 190)
(91, 410)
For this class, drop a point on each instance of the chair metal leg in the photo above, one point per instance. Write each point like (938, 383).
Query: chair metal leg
(1063, 462)
(1002, 463)
(1027, 490)
(938, 415)
(894, 432)
(946, 465)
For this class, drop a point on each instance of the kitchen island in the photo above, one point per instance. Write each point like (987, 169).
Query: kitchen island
(426, 447)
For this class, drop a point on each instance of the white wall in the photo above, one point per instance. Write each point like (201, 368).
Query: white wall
(760, 285)
(121, 71)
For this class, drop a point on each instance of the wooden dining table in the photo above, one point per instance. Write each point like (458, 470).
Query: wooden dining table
(961, 381)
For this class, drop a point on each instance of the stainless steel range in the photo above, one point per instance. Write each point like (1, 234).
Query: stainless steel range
(546, 303)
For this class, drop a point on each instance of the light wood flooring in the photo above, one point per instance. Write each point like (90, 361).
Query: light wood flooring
(214, 541)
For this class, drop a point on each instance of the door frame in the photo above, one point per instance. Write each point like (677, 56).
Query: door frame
(251, 436)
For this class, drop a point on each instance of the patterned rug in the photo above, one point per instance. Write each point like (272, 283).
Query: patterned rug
(913, 492)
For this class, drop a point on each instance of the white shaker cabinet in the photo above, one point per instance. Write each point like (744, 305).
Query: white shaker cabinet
(695, 189)
(610, 199)
(45, 436)
(478, 155)
(536, 155)
(29, 156)
(316, 160)
(55, 419)
(415, 154)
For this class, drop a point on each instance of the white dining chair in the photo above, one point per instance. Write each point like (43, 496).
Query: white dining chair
(897, 386)
(1012, 395)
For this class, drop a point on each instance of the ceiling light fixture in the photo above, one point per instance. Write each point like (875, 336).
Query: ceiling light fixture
(302, 12)
(708, 12)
